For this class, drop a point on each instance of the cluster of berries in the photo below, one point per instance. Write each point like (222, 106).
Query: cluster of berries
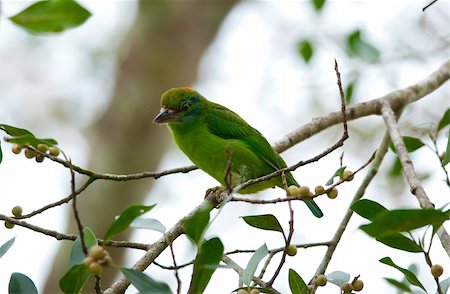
(17, 212)
(30, 153)
(97, 258)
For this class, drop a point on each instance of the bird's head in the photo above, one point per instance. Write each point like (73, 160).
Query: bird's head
(180, 105)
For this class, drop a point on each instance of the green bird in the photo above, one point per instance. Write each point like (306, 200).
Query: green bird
(208, 133)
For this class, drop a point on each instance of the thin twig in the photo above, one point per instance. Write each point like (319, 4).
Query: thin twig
(175, 270)
(428, 5)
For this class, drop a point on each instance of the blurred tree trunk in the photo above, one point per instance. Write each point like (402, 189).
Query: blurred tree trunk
(162, 51)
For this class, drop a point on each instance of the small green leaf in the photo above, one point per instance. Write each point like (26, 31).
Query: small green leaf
(399, 285)
(195, 225)
(318, 4)
(148, 224)
(399, 241)
(306, 50)
(446, 159)
(337, 173)
(445, 120)
(77, 255)
(349, 91)
(338, 278)
(22, 136)
(445, 284)
(403, 220)
(51, 16)
(206, 262)
(74, 279)
(357, 46)
(125, 219)
(411, 144)
(21, 284)
(144, 283)
(368, 209)
(264, 222)
(5, 247)
(296, 283)
(408, 274)
(396, 168)
(250, 269)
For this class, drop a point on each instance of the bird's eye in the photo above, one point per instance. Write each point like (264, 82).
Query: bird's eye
(185, 106)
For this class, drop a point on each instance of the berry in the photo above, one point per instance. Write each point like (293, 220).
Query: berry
(304, 191)
(293, 191)
(319, 190)
(321, 280)
(358, 285)
(437, 270)
(347, 288)
(97, 252)
(17, 211)
(9, 225)
(54, 151)
(87, 261)
(106, 260)
(39, 157)
(347, 175)
(16, 148)
(333, 193)
(95, 268)
(242, 291)
(254, 291)
(291, 250)
(29, 153)
(42, 147)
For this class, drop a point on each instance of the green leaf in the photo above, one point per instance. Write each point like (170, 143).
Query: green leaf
(5, 247)
(306, 50)
(250, 269)
(296, 283)
(148, 224)
(446, 159)
(22, 136)
(21, 284)
(357, 46)
(77, 255)
(51, 16)
(195, 226)
(368, 209)
(399, 285)
(396, 168)
(403, 220)
(408, 274)
(264, 222)
(445, 284)
(338, 278)
(75, 279)
(337, 173)
(144, 283)
(206, 262)
(125, 219)
(349, 91)
(445, 120)
(399, 241)
(411, 144)
(318, 4)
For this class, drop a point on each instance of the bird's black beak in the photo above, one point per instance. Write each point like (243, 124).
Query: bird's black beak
(165, 115)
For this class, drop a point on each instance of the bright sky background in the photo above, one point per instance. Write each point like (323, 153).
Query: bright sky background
(252, 68)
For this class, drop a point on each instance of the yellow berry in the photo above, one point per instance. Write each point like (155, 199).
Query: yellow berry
(9, 225)
(242, 291)
(54, 151)
(95, 268)
(254, 291)
(17, 211)
(293, 191)
(291, 250)
(437, 270)
(333, 193)
(304, 191)
(347, 288)
(42, 147)
(319, 190)
(97, 252)
(87, 261)
(321, 280)
(106, 260)
(347, 175)
(29, 153)
(16, 148)
(358, 285)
